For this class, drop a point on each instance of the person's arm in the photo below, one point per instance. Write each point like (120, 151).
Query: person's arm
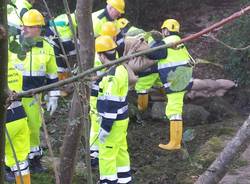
(158, 54)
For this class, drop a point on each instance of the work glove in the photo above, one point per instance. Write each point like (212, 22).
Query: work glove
(103, 134)
(52, 104)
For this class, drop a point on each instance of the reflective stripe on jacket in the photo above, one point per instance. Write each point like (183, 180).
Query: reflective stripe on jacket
(176, 57)
(112, 101)
(39, 67)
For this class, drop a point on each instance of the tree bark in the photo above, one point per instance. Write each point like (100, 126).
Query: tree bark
(78, 117)
(219, 167)
(3, 81)
(86, 38)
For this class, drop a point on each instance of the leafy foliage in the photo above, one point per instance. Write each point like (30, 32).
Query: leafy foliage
(236, 62)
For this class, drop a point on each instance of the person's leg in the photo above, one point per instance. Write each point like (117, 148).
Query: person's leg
(174, 113)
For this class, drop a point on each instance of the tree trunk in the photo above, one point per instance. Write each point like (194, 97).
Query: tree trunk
(3, 81)
(86, 38)
(78, 117)
(218, 168)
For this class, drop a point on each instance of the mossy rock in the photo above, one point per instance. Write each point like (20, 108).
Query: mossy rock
(195, 115)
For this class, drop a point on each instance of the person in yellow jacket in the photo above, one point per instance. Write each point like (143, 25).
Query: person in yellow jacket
(146, 78)
(108, 29)
(169, 60)
(112, 12)
(18, 130)
(62, 25)
(127, 29)
(38, 68)
(112, 106)
(16, 9)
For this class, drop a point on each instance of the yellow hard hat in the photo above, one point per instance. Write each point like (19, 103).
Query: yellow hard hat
(104, 43)
(33, 18)
(119, 5)
(109, 29)
(172, 25)
(122, 22)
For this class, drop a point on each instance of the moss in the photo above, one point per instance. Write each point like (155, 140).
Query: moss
(208, 152)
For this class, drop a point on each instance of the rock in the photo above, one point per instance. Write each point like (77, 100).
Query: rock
(158, 111)
(195, 115)
(219, 109)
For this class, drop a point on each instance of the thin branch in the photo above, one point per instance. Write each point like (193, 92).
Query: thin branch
(37, 98)
(218, 168)
(66, 6)
(226, 45)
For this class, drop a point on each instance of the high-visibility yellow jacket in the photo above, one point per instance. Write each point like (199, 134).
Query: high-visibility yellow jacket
(15, 111)
(112, 101)
(63, 27)
(99, 18)
(95, 84)
(176, 57)
(39, 67)
(15, 13)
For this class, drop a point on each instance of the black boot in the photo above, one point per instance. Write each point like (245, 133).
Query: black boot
(9, 176)
(35, 165)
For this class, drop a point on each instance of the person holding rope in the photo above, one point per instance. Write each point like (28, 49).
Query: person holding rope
(168, 61)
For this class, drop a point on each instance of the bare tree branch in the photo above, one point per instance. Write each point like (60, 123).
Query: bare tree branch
(226, 45)
(218, 168)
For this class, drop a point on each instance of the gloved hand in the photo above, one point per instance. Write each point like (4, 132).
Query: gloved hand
(103, 134)
(52, 104)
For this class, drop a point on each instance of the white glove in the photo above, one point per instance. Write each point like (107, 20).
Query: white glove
(103, 134)
(52, 104)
